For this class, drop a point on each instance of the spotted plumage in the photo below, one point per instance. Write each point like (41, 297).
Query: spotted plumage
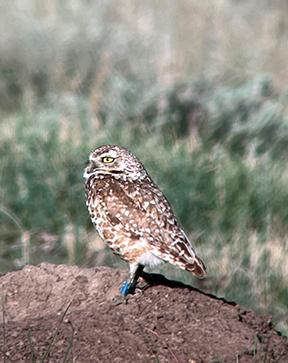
(133, 216)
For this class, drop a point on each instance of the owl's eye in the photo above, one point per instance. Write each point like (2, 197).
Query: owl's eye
(107, 160)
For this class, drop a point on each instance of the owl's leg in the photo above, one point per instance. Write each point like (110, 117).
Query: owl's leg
(129, 286)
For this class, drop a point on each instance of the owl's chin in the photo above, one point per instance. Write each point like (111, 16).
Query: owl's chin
(87, 174)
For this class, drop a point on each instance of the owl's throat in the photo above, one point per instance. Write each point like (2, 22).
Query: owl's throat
(88, 173)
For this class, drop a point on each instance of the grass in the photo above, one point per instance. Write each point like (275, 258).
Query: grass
(54, 336)
(68, 355)
(209, 123)
(232, 203)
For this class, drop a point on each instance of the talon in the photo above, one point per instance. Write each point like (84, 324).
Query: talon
(143, 285)
(125, 288)
(119, 299)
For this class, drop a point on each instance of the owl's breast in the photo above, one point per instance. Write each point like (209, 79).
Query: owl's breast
(96, 215)
(98, 196)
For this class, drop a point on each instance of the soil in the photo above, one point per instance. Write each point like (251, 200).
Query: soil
(63, 314)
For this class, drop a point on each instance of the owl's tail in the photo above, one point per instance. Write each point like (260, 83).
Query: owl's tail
(185, 257)
(197, 267)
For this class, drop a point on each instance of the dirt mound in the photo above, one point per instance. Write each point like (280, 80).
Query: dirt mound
(69, 314)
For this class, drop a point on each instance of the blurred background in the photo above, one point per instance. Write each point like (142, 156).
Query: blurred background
(197, 90)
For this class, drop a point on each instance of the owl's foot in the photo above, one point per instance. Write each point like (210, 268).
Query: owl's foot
(126, 288)
(143, 284)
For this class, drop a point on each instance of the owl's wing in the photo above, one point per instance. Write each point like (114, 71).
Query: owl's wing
(143, 211)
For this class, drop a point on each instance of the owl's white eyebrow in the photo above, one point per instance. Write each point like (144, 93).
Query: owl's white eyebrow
(111, 153)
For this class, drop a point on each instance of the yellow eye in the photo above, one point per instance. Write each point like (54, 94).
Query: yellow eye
(107, 159)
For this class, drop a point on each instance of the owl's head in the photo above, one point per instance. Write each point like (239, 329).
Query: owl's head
(116, 161)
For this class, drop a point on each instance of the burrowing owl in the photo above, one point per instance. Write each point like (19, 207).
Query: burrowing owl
(133, 216)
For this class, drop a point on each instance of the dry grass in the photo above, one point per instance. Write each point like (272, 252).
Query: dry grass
(74, 75)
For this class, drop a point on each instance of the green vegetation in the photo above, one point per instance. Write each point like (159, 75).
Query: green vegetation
(217, 148)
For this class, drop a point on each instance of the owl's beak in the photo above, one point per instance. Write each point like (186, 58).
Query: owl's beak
(90, 169)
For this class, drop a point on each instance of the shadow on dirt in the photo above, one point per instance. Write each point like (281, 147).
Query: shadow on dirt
(154, 279)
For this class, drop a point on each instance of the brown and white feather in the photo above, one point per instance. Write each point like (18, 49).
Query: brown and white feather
(134, 217)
